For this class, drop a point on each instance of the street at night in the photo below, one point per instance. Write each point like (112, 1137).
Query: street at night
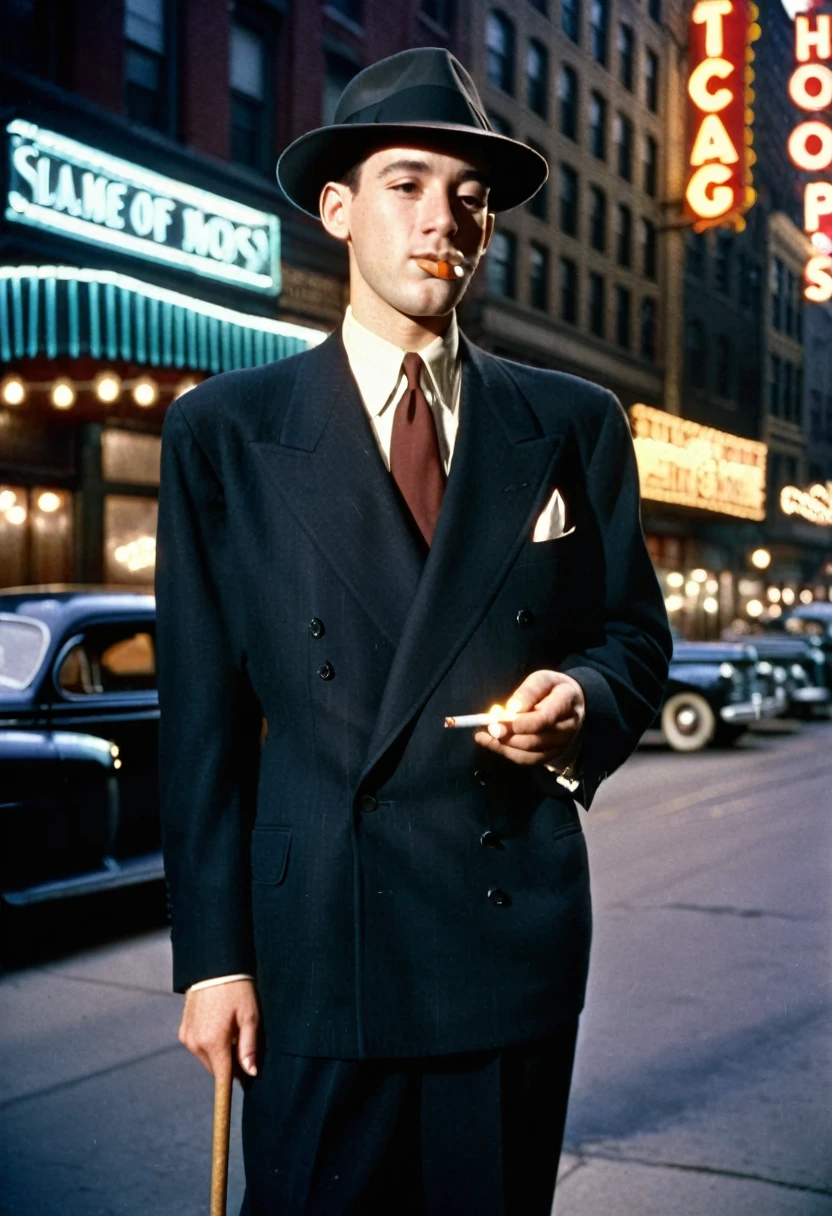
(702, 1086)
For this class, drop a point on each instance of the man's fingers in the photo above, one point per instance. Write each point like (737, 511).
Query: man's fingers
(533, 689)
(247, 1046)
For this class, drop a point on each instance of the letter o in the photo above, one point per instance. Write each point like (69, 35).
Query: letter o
(799, 93)
(800, 154)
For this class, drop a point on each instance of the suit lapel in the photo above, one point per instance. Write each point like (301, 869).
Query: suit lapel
(325, 464)
(500, 477)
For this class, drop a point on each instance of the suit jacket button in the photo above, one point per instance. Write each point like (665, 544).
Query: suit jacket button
(499, 897)
(491, 840)
(367, 802)
(316, 628)
(525, 617)
(326, 671)
(481, 776)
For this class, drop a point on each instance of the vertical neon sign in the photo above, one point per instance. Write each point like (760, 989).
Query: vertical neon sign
(810, 143)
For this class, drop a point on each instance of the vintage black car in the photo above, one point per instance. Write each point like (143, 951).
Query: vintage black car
(77, 684)
(812, 623)
(798, 665)
(715, 690)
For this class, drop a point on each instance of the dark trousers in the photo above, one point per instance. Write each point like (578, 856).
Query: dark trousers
(477, 1132)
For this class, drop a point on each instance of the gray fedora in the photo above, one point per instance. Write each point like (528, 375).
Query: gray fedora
(425, 89)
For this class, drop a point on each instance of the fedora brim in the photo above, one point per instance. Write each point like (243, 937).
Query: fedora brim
(326, 154)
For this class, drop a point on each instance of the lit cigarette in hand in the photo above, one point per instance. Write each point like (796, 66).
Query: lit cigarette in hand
(495, 714)
(441, 269)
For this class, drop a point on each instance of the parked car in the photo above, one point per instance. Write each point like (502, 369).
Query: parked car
(812, 623)
(77, 696)
(715, 690)
(799, 666)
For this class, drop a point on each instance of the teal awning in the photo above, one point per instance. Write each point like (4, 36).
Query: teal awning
(49, 311)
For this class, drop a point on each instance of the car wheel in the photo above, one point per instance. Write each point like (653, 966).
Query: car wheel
(688, 722)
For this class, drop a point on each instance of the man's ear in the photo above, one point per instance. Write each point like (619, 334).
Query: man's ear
(489, 229)
(333, 205)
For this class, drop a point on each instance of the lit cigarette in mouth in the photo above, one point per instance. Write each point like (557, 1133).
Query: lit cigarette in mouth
(441, 269)
(496, 714)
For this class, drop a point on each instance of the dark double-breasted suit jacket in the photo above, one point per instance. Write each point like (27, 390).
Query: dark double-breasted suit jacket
(344, 861)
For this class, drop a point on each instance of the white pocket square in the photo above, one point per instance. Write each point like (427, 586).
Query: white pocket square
(551, 522)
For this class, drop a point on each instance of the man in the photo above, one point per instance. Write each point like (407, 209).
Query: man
(387, 919)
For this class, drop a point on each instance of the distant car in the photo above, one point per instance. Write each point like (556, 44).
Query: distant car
(813, 623)
(715, 690)
(77, 695)
(799, 666)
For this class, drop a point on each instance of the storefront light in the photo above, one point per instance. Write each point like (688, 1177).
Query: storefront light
(710, 605)
(63, 394)
(675, 579)
(12, 390)
(699, 575)
(773, 594)
(712, 586)
(775, 610)
(48, 501)
(787, 595)
(7, 499)
(761, 558)
(145, 392)
(806, 597)
(107, 387)
(16, 515)
(673, 603)
(754, 607)
(185, 386)
(691, 588)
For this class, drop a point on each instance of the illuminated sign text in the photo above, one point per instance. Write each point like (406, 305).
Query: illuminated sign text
(814, 504)
(810, 143)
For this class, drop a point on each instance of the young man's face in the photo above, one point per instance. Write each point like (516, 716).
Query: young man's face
(411, 204)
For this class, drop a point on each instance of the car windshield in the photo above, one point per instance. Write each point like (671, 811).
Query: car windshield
(23, 643)
(801, 627)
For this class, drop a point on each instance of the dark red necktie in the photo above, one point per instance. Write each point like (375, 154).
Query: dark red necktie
(415, 461)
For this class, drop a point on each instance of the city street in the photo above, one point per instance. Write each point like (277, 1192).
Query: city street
(703, 1084)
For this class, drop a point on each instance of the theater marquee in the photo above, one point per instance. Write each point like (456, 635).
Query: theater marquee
(696, 466)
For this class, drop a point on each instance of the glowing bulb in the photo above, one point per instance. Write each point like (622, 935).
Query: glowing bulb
(773, 594)
(13, 390)
(47, 501)
(761, 558)
(185, 386)
(775, 610)
(787, 595)
(107, 386)
(754, 607)
(806, 597)
(673, 603)
(16, 515)
(63, 394)
(7, 499)
(116, 764)
(710, 605)
(691, 588)
(712, 586)
(113, 749)
(699, 576)
(145, 392)
(675, 579)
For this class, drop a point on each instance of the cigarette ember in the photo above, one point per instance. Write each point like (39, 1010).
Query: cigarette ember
(441, 269)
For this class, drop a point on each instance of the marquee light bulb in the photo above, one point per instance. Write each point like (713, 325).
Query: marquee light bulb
(145, 392)
(787, 595)
(48, 501)
(63, 394)
(675, 579)
(754, 607)
(806, 597)
(761, 558)
(7, 499)
(12, 390)
(710, 605)
(107, 387)
(16, 515)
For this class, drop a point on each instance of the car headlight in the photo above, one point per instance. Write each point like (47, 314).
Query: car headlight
(798, 671)
(780, 674)
(726, 670)
(764, 668)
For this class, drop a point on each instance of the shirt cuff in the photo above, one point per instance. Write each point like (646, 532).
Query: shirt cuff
(220, 979)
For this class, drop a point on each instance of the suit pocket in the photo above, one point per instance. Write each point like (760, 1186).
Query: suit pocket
(534, 551)
(269, 855)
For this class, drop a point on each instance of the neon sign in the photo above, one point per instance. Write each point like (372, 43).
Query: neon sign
(810, 143)
(62, 185)
(814, 504)
(681, 462)
(720, 96)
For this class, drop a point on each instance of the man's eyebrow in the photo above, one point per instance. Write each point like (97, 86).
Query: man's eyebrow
(421, 166)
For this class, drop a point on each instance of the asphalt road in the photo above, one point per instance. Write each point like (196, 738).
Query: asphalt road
(703, 1083)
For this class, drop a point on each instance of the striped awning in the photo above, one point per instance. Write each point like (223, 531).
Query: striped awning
(48, 311)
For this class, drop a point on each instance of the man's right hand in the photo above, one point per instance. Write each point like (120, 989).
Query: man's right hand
(218, 1019)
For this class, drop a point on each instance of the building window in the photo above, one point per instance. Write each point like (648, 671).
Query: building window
(597, 218)
(129, 538)
(695, 354)
(626, 55)
(654, 8)
(789, 295)
(649, 258)
(568, 291)
(541, 6)
(787, 400)
(500, 51)
(129, 457)
(570, 19)
(778, 286)
(598, 30)
(724, 367)
(440, 11)
(622, 316)
(624, 146)
(647, 329)
(651, 165)
(539, 277)
(568, 93)
(568, 200)
(537, 78)
(695, 254)
(623, 235)
(598, 126)
(145, 63)
(597, 305)
(501, 275)
(538, 204)
(351, 9)
(338, 72)
(247, 78)
(774, 381)
(36, 537)
(722, 266)
(651, 80)
(749, 278)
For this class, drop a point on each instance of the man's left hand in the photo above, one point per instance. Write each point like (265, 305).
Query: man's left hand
(550, 713)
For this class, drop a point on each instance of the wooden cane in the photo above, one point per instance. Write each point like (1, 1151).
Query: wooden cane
(222, 1130)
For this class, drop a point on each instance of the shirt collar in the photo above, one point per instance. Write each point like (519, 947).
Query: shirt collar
(377, 363)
